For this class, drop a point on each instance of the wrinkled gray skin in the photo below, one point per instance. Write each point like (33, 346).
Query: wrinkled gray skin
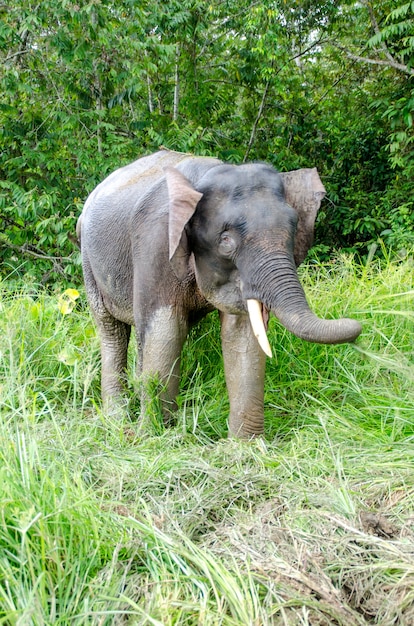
(169, 238)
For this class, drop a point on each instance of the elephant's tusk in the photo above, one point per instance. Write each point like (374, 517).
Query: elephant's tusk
(254, 308)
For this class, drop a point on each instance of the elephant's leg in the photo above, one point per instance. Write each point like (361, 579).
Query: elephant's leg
(160, 346)
(114, 349)
(244, 367)
(114, 337)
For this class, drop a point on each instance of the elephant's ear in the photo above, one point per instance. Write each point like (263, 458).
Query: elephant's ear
(304, 191)
(183, 200)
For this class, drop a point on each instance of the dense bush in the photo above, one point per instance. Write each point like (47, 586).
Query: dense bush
(87, 87)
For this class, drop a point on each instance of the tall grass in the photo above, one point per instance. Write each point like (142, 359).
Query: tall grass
(312, 524)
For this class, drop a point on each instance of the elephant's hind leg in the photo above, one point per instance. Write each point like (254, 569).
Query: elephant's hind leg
(114, 350)
(114, 337)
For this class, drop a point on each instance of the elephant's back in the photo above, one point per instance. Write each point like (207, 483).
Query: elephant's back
(129, 183)
(126, 186)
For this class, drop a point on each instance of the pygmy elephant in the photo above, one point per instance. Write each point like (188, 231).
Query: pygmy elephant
(171, 237)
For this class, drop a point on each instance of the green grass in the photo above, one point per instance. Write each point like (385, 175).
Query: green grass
(312, 524)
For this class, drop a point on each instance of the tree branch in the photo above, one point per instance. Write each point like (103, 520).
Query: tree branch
(377, 30)
(256, 121)
(389, 63)
(15, 54)
(27, 250)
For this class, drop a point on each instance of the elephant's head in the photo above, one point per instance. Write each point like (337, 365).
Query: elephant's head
(248, 227)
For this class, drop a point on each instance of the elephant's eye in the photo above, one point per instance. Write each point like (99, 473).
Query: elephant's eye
(227, 243)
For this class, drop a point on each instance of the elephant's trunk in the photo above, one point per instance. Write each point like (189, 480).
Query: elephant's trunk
(276, 285)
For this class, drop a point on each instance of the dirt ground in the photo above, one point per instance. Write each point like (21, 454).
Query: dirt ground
(331, 571)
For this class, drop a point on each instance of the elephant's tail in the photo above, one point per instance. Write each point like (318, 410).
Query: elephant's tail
(78, 230)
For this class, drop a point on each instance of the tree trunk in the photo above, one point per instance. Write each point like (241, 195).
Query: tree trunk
(176, 85)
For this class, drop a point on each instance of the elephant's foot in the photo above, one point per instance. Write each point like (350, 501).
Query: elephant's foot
(115, 405)
(247, 427)
(158, 403)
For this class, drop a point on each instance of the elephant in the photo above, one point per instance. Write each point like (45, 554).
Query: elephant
(171, 237)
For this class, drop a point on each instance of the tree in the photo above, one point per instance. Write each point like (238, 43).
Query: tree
(65, 66)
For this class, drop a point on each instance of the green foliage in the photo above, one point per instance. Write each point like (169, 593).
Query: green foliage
(89, 86)
(399, 113)
(368, 154)
(397, 38)
(397, 33)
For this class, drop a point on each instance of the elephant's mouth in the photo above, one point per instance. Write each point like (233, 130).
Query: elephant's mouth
(259, 317)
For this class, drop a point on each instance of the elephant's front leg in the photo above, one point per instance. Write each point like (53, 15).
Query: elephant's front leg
(244, 367)
(161, 342)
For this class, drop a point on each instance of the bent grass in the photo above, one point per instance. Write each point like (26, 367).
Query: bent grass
(312, 524)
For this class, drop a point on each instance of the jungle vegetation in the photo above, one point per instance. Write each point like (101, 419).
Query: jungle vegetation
(90, 85)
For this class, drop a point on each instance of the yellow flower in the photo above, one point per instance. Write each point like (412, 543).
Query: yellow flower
(67, 301)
